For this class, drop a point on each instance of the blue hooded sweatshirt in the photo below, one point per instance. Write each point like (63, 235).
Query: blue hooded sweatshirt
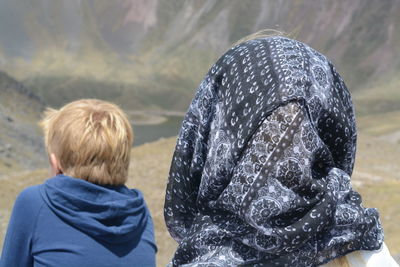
(71, 222)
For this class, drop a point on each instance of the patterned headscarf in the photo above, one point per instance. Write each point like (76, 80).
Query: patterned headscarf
(261, 170)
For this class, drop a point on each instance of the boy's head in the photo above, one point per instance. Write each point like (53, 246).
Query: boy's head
(89, 139)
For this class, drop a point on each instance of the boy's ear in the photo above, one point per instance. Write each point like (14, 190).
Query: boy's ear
(55, 167)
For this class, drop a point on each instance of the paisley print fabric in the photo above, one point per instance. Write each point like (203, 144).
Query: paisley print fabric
(261, 170)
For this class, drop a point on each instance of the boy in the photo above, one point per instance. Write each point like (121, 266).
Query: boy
(84, 215)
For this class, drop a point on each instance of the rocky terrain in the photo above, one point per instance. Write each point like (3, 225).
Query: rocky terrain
(20, 137)
(156, 52)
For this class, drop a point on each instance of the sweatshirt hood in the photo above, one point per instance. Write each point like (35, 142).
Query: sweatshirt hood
(114, 214)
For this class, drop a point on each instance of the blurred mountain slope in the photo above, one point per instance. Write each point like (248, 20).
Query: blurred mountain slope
(152, 53)
(20, 139)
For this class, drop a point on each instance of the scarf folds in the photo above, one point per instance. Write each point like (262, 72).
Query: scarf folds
(261, 169)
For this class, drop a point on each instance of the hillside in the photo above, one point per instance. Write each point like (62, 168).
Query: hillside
(375, 178)
(20, 139)
(152, 54)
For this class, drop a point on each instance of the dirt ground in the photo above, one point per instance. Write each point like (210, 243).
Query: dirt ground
(376, 177)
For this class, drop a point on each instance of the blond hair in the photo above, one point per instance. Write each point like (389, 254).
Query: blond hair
(267, 33)
(92, 140)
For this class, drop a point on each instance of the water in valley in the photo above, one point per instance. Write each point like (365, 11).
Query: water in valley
(152, 132)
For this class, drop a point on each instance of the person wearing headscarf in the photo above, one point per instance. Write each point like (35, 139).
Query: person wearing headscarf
(261, 170)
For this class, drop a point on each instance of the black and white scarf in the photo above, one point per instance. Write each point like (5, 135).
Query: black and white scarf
(261, 170)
